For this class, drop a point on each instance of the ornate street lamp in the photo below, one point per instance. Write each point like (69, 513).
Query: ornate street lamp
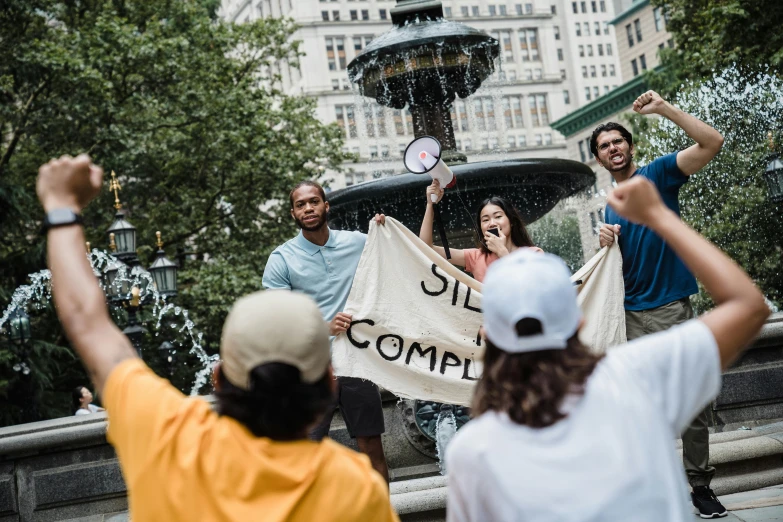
(115, 276)
(773, 174)
(164, 272)
(124, 233)
(19, 327)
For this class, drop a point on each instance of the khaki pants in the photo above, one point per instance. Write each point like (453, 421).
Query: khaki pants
(695, 438)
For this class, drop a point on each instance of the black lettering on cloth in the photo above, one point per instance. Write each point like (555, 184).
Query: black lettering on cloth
(455, 294)
(467, 369)
(478, 338)
(416, 347)
(364, 344)
(398, 344)
(445, 361)
(467, 303)
(436, 274)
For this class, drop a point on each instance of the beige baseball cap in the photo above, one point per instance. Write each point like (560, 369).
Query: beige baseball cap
(274, 326)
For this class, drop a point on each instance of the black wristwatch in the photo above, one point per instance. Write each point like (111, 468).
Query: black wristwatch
(61, 217)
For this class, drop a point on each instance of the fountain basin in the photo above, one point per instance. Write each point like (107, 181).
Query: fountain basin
(533, 185)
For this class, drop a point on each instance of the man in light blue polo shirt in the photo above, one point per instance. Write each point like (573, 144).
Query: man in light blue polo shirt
(321, 263)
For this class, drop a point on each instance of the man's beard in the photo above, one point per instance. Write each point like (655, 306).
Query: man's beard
(311, 228)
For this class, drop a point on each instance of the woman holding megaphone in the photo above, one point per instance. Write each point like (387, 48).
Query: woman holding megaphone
(499, 224)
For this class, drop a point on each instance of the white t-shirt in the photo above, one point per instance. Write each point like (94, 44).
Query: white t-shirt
(92, 409)
(611, 458)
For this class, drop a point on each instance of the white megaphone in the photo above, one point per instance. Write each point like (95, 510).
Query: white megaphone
(422, 156)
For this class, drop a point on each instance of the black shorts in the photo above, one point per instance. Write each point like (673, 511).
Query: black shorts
(360, 404)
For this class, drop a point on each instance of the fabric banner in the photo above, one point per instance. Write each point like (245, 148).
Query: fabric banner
(416, 317)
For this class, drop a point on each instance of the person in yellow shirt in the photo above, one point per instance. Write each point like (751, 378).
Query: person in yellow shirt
(249, 460)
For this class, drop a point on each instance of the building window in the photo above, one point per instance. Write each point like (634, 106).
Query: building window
(603, 70)
(325, 16)
(518, 8)
(462, 115)
(548, 138)
(512, 112)
(485, 113)
(611, 70)
(529, 75)
(560, 55)
(502, 10)
(606, 89)
(383, 15)
(539, 114)
(583, 5)
(584, 71)
(608, 49)
(375, 118)
(537, 73)
(562, 74)
(492, 10)
(335, 53)
(634, 67)
(582, 155)
(512, 142)
(335, 16)
(658, 19)
(566, 98)
(638, 26)
(365, 14)
(354, 14)
(643, 62)
(592, 71)
(606, 27)
(587, 29)
(629, 32)
(539, 140)
(529, 9)
(600, 49)
(557, 32)
(474, 10)
(360, 42)
(582, 51)
(335, 85)
(554, 9)
(603, 6)
(447, 11)
(596, 92)
(587, 94)
(346, 120)
(506, 46)
(373, 151)
(594, 223)
(594, 6)
(528, 44)
(464, 10)
(578, 29)
(573, 6)
(597, 28)
(589, 49)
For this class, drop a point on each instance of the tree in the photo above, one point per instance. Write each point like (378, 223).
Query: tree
(711, 35)
(559, 236)
(188, 110)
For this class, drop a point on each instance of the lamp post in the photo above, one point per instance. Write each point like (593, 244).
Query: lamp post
(20, 334)
(773, 174)
(119, 288)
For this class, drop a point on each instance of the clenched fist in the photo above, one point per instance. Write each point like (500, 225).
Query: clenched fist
(68, 183)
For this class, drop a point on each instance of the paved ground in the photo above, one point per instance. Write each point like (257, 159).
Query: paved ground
(760, 505)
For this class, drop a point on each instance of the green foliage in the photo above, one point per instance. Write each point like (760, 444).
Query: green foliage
(559, 236)
(188, 111)
(711, 35)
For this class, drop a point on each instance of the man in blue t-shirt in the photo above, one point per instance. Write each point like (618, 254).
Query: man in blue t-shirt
(321, 263)
(657, 283)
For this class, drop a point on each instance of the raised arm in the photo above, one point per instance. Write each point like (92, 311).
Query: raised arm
(708, 140)
(81, 306)
(741, 309)
(425, 233)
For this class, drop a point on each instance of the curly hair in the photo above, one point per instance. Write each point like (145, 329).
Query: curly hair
(530, 387)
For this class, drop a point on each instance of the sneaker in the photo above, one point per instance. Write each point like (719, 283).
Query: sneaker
(707, 503)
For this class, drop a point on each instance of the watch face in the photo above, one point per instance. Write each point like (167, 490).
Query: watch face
(61, 216)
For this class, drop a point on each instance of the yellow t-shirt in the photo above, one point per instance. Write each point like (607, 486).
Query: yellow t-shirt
(181, 461)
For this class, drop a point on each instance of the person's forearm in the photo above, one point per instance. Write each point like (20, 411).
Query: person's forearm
(703, 134)
(425, 233)
(722, 278)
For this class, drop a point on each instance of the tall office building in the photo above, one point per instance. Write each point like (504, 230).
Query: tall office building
(555, 56)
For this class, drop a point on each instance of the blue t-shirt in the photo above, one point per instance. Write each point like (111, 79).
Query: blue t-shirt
(325, 273)
(654, 275)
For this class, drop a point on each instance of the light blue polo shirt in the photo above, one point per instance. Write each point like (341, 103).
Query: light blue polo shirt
(325, 273)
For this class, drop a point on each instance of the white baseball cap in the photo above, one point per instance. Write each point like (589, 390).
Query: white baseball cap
(274, 326)
(529, 284)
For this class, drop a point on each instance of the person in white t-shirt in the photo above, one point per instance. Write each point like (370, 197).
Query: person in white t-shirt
(82, 401)
(565, 435)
